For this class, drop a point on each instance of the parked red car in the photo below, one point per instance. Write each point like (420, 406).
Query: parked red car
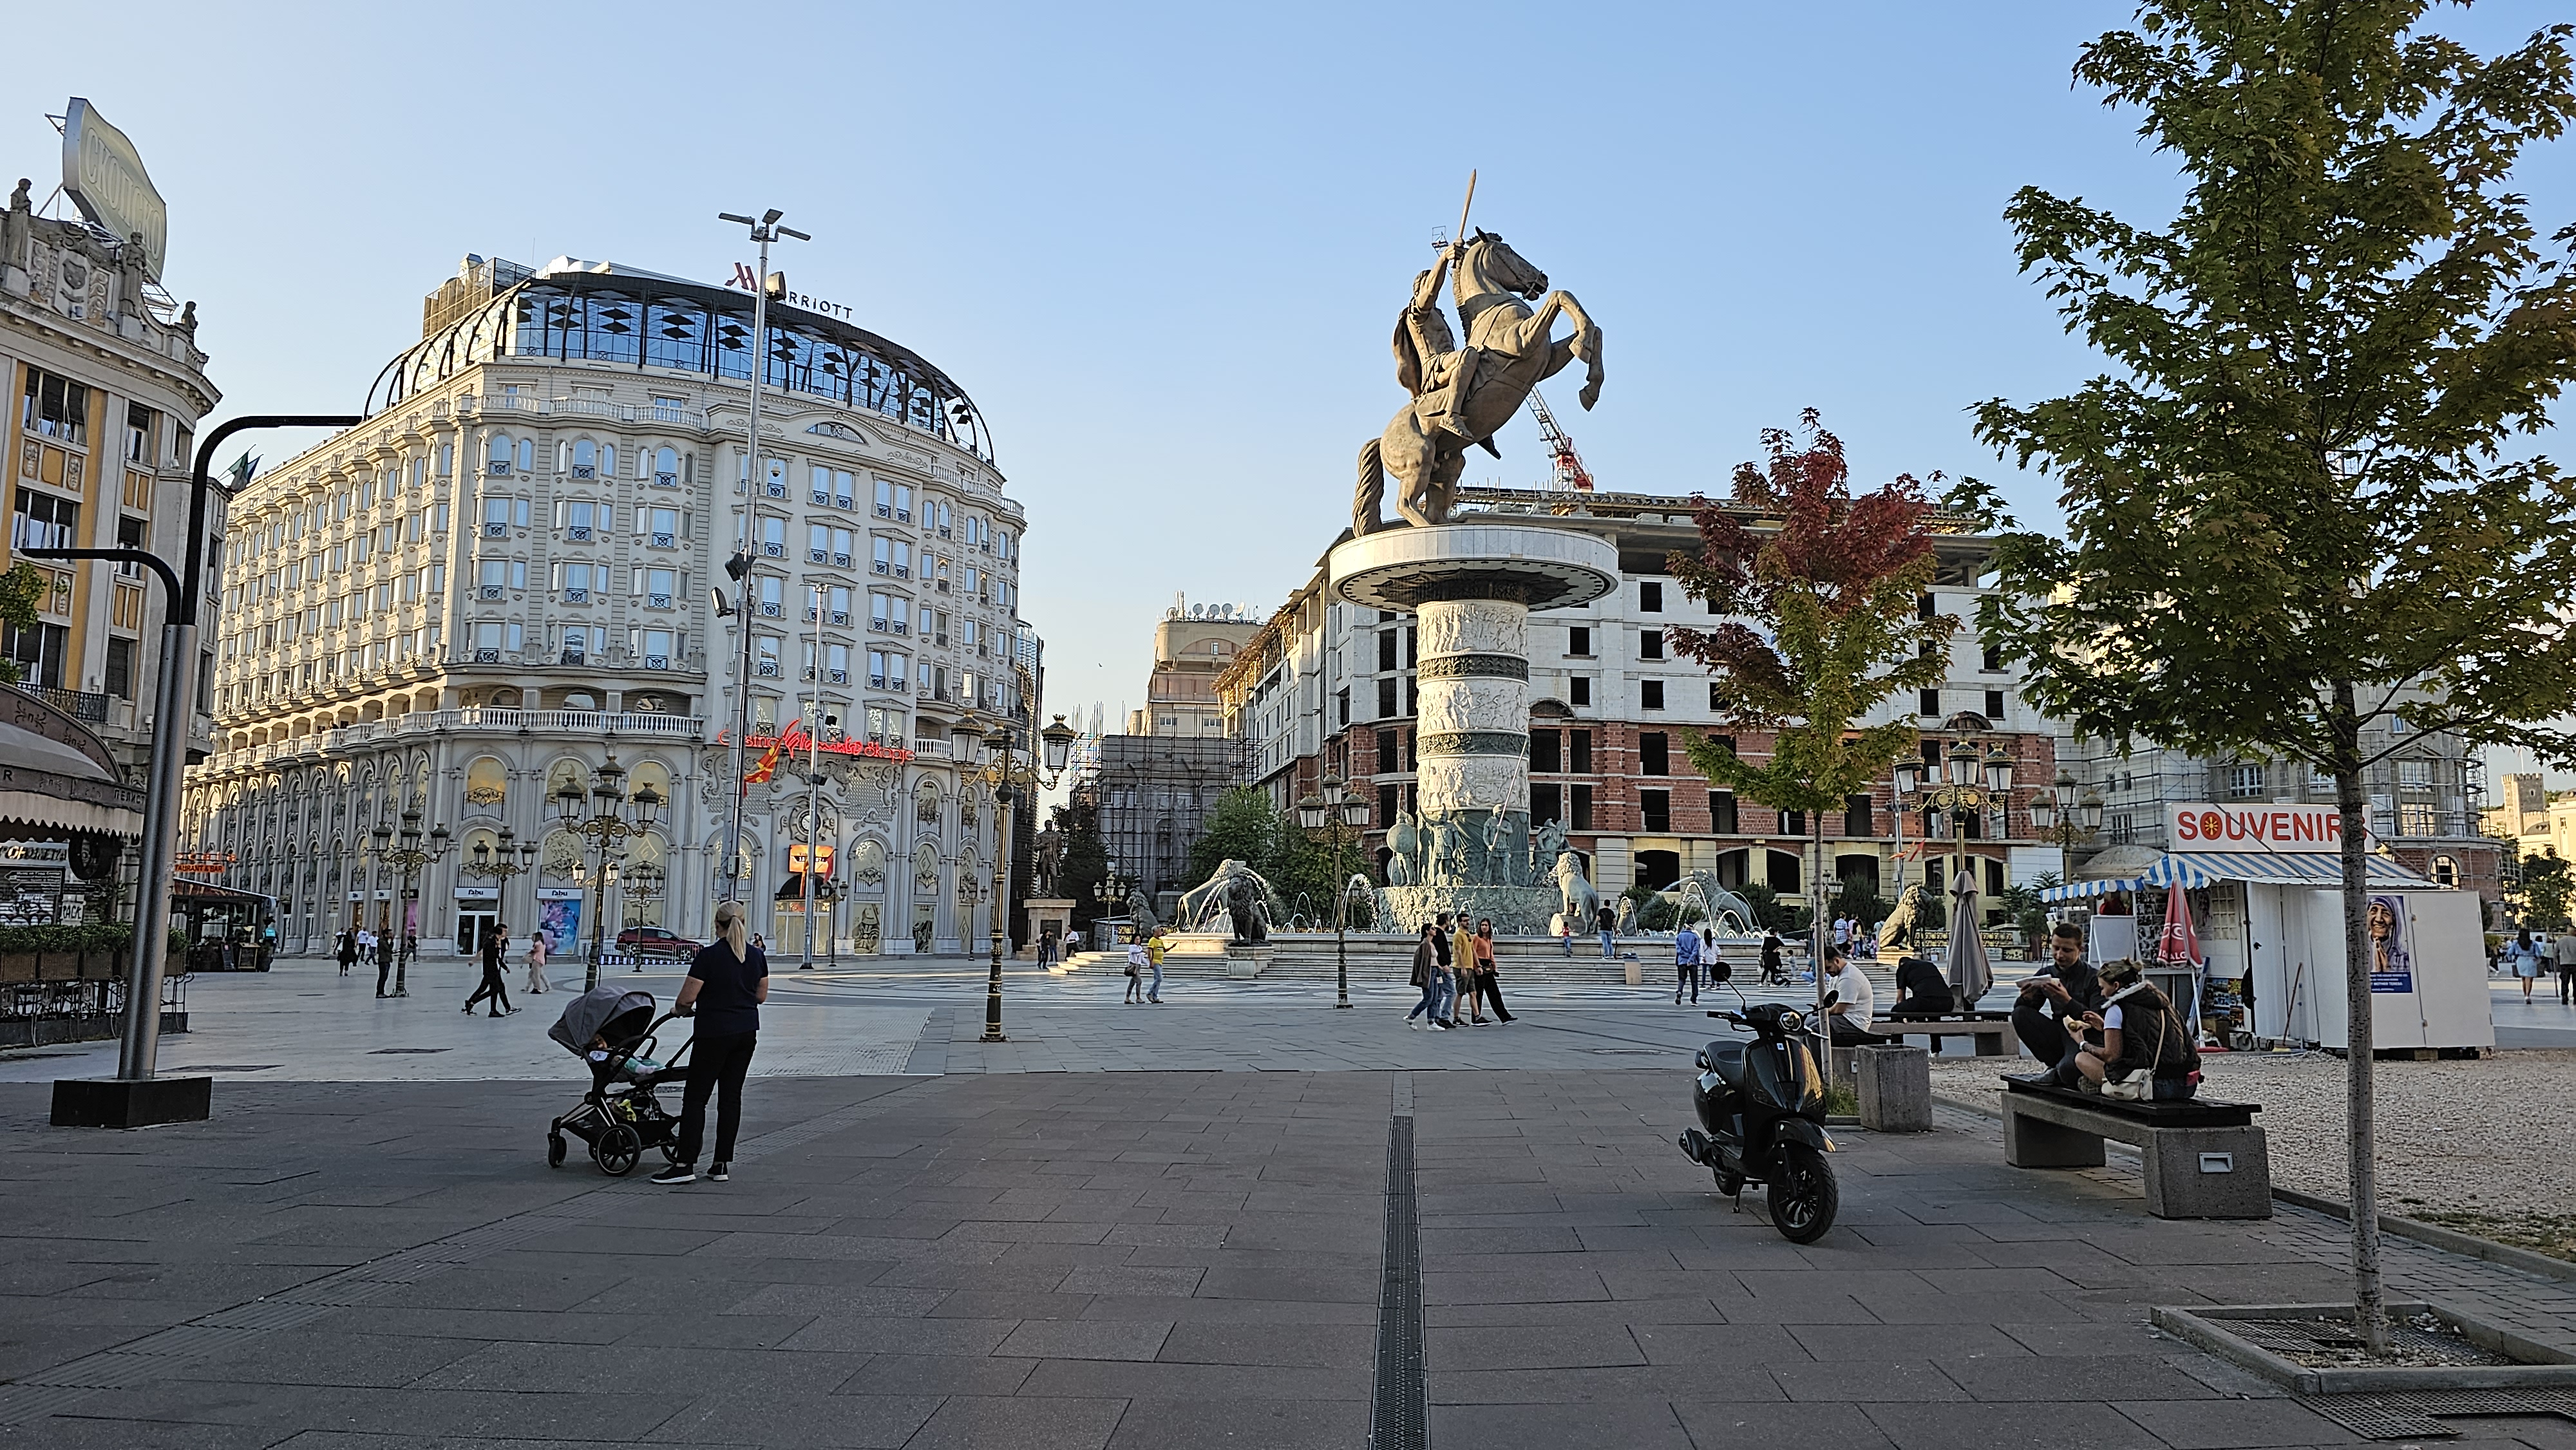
(654, 941)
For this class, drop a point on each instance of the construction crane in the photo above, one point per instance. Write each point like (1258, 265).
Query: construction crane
(1570, 476)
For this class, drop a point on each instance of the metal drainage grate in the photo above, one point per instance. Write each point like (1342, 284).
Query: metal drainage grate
(2411, 1414)
(1398, 1418)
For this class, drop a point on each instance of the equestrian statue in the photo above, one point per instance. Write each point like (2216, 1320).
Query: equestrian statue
(1461, 396)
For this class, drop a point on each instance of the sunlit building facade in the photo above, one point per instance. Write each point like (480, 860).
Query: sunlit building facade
(507, 576)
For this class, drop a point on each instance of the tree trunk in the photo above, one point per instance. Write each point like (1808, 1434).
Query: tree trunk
(2369, 1303)
(1819, 932)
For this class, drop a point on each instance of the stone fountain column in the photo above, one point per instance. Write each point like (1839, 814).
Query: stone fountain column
(1471, 588)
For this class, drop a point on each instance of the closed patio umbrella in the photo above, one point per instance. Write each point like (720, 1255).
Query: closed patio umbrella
(2178, 945)
(1970, 972)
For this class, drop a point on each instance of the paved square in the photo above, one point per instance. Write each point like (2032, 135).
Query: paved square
(1088, 1257)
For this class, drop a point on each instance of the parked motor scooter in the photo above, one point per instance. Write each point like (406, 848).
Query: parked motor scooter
(1762, 1119)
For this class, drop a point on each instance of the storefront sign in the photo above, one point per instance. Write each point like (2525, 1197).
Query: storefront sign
(796, 859)
(36, 853)
(2392, 944)
(103, 175)
(2205, 827)
(478, 893)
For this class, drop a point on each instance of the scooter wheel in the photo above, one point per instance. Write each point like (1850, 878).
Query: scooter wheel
(554, 1150)
(2241, 1041)
(1804, 1197)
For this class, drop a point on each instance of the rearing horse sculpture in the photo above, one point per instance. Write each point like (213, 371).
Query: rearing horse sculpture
(1508, 351)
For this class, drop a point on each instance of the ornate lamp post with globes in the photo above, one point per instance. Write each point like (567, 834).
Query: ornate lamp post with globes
(1976, 781)
(1009, 770)
(514, 858)
(409, 858)
(2056, 815)
(1342, 814)
(606, 830)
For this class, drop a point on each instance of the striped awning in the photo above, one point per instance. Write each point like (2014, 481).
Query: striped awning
(2196, 869)
(2085, 890)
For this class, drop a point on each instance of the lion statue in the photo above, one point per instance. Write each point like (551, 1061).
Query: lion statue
(1898, 929)
(1579, 901)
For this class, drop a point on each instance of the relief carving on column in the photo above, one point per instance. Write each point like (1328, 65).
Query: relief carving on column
(1471, 626)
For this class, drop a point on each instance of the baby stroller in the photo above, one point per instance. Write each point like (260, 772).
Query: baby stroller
(611, 1029)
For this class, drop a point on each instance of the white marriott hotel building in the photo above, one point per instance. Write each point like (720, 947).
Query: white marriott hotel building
(502, 579)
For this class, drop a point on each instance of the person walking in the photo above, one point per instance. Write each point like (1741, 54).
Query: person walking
(1046, 947)
(1426, 978)
(1772, 973)
(2525, 960)
(1155, 946)
(1713, 963)
(537, 961)
(1462, 969)
(1487, 986)
(493, 987)
(727, 982)
(1686, 965)
(1606, 922)
(348, 952)
(2563, 955)
(384, 954)
(1135, 975)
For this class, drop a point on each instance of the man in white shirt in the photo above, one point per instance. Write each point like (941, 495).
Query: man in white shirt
(1848, 1018)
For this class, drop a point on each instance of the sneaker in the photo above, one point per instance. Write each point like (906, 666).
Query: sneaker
(677, 1173)
(720, 1173)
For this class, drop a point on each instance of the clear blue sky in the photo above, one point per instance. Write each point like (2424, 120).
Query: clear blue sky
(1163, 246)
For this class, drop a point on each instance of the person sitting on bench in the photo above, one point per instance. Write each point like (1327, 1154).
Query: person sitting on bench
(1921, 991)
(2146, 1050)
(2064, 990)
(1848, 1019)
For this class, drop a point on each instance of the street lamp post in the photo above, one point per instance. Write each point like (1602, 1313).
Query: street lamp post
(607, 829)
(408, 858)
(514, 858)
(2057, 816)
(122, 1101)
(1008, 770)
(1975, 781)
(1342, 814)
(763, 231)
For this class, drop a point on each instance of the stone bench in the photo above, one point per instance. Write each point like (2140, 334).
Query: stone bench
(1992, 1030)
(2204, 1159)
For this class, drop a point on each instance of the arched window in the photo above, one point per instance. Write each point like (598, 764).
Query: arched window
(2446, 871)
(581, 456)
(666, 467)
(868, 868)
(925, 870)
(497, 461)
(652, 773)
(487, 782)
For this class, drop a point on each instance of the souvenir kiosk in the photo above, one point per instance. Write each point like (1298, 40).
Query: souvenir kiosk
(2265, 885)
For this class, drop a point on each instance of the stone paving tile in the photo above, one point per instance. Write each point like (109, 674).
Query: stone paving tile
(797, 1420)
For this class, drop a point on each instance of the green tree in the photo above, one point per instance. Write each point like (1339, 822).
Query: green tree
(22, 588)
(1823, 591)
(2294, 511)
(1086, 858)
(2546, 885)
(1243, 825)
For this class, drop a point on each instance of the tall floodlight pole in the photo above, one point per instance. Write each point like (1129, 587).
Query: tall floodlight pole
(127, 1100)
(763, 231)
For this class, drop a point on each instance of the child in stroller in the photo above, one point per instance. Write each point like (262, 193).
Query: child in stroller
(621, 1116)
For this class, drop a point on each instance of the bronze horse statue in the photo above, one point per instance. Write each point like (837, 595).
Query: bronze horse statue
(1463, 397)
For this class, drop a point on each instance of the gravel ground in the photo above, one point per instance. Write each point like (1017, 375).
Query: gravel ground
(2490, 1137)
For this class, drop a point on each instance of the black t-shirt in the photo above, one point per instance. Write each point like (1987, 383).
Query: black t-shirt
(728, 1001)
(1605, 920)
(1916, 977)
